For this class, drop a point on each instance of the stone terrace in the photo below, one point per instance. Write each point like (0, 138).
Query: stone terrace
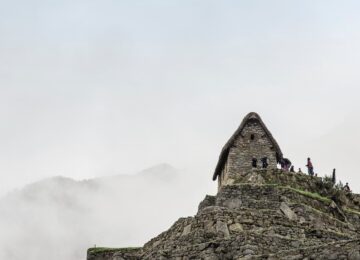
(265, 214)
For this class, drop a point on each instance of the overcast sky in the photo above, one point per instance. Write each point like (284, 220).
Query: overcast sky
(93, 88)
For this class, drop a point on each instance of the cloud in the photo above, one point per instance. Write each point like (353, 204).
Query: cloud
(59, 218)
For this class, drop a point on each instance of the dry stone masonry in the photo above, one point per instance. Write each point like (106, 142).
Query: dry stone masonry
(252, 140)
(258, 213)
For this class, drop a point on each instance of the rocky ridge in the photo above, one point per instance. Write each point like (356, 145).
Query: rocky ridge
(264, 214)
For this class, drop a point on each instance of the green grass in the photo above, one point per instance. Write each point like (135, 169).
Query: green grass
(309, 194)
(257, 184)
(97, 250)
(352, 211)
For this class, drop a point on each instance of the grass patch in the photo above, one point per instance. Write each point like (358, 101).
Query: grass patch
(254, 184)
(98, 250)
(271, 184)
(312, 195)
(352, 211)
(308, 194)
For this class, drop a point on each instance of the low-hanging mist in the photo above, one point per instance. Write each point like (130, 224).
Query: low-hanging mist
(59, 218)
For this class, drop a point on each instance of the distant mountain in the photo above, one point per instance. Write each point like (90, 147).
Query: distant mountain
(58, 218)
(163, 172)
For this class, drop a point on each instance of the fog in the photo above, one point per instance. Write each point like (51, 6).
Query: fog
(91, 89)
(59, 218)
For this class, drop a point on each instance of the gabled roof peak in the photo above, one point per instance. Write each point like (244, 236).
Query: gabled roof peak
(225, 151)
(252, 115)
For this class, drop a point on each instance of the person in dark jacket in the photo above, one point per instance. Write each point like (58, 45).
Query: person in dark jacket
(254, 162)
(282, 164)
(347, 188)
(264, 162)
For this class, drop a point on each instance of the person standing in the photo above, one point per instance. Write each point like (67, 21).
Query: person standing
(310, 167)
(287, 164)
(347, 188)
(254, 162)
(282, 164)
(264, 161)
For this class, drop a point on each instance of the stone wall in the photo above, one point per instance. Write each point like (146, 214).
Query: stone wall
(245, 148)
(265, 214)
(113, 254)
(302, 182)
(258, 221)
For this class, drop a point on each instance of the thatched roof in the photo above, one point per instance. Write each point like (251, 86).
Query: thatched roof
(225, 151)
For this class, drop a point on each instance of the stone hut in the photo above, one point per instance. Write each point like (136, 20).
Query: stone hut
(252, 140)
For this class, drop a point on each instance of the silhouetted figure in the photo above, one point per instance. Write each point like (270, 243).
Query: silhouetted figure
(264, 162)
(299, 171)
(254, 162)
(333, 179)
(347, 188)
(282, 164)
(278, 158)
(287, 164)
(292, 168)
(310, 167)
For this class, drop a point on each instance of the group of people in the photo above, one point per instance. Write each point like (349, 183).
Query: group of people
(285, 164)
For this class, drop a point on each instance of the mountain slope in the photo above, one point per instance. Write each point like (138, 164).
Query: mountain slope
(58, 218)
(265, 214)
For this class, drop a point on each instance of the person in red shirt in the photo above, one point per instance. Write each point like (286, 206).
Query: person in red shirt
(310, 167)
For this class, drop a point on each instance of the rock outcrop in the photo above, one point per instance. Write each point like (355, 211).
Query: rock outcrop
(264, 214)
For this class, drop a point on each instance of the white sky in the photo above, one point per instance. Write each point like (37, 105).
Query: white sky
(93, 88)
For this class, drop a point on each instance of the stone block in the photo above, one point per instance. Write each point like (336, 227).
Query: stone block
(186, 230)
(288, 211)
(222, 228)
(236, 227)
